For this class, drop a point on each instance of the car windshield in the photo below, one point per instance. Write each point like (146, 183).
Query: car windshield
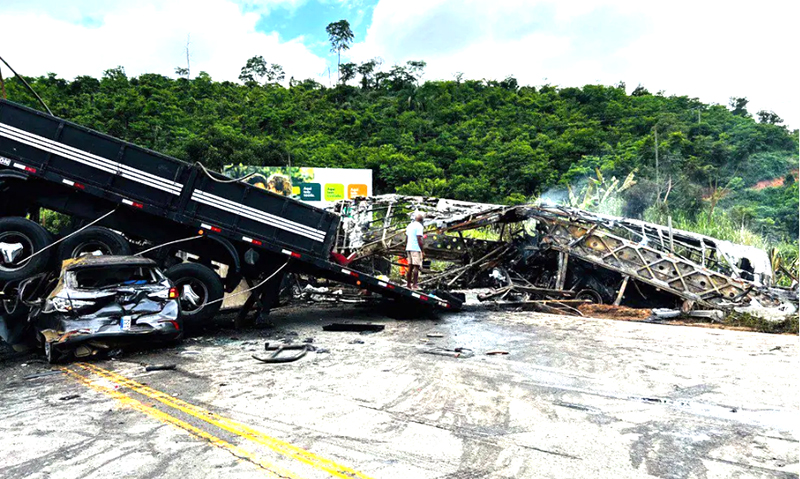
(108, 276)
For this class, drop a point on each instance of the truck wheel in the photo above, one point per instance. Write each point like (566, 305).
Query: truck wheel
(20, 238)
(93, 240)
(197, 285)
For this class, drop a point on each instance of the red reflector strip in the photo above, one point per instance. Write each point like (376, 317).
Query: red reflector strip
(251, 240)
(133, 203)
(295, 255)
(389, 285)
(215, 229)
(27, 168)
(73, 184)
(290, 253)
(424, 298)
(351, 273)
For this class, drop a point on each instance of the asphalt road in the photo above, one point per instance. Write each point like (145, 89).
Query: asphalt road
(573, 398)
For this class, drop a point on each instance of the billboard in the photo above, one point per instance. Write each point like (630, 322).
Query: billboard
(317, 186)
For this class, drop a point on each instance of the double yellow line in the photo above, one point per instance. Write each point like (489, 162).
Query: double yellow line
(242, 430)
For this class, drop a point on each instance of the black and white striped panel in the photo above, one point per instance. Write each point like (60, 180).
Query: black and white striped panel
(257, 215)
(89, 159)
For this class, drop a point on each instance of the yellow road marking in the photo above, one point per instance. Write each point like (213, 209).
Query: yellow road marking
(241, 430)
(273, 470)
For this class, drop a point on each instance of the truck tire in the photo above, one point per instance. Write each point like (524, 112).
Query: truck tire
(197, 285)
(92, 240)
(32, 237)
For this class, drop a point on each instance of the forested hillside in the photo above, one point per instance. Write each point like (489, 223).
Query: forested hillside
(487, 141)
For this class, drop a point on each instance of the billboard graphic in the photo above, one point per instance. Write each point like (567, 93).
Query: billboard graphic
(318, 186)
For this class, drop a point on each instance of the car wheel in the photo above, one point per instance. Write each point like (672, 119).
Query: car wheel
(19, 239)
(589, 295)
(12, 307)
(94, 240)
(197, 286)
(53, 355)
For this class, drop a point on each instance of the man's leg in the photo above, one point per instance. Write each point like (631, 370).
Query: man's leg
(409, 272)
(416, 276)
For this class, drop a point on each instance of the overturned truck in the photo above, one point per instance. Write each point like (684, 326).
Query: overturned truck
(558, 255)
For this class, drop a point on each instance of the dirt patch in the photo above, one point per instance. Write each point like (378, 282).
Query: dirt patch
(608, 311)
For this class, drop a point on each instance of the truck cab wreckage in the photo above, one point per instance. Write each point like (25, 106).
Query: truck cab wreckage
(555, 255)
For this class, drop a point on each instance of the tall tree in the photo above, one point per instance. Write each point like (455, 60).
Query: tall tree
(739, 106)
(257, 69)
(254, 70)
(341, 37)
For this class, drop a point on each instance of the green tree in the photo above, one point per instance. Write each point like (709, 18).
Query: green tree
(739, 106)
(340, 36)
(769, 117)
(254, 70)
(347, 71)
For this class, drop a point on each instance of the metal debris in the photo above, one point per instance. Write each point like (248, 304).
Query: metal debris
(554, 258)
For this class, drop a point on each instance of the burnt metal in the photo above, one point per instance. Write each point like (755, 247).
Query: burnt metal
(543, 254)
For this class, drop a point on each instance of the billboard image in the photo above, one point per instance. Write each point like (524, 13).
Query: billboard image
(318, 186)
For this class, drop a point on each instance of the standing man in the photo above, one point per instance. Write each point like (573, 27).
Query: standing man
(414, 250)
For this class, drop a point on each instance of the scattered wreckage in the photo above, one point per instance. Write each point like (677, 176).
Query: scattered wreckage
(555, 257)
(101, 303)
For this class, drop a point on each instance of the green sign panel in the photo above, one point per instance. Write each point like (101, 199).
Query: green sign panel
(310, 192)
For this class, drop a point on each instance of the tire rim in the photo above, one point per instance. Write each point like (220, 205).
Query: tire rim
(10, 305)
(91, 247)
(590, 294)
(11, 238)
(193, 295)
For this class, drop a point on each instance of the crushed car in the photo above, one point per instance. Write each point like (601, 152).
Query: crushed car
(97, 304)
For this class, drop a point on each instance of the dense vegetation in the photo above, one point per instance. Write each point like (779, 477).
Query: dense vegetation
(487, 141)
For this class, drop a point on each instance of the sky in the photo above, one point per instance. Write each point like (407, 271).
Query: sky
(711, 50)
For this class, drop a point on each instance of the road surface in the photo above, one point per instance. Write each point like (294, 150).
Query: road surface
(575, 397)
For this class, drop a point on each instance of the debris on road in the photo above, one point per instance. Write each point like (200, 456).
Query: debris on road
(276, 358)
(69, 397)
(41, 375)
(160, 367)
(354, 327)
(454, 353)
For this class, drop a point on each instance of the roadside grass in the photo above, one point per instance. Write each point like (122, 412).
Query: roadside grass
(746, 320)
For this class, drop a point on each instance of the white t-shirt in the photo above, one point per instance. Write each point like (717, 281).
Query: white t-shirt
(414, 229)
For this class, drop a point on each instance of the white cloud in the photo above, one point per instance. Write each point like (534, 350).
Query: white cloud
(702, 48)
(705, 49)
(147, 36)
